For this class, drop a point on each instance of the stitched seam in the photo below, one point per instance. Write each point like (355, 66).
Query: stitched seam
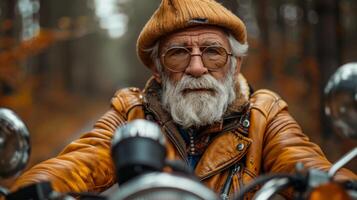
(250, 173)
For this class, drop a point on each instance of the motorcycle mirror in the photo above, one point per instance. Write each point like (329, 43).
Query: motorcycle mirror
(14, 144)
(341, 100)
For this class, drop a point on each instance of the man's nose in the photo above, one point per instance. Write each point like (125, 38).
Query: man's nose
(196, 67)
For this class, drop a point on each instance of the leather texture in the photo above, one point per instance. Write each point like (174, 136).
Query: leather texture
(274, 142)
(85, 164)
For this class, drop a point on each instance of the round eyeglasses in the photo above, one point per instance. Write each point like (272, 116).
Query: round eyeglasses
(177, 59)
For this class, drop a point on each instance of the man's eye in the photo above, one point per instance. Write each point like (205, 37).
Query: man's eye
(213, 51)
(177, 52)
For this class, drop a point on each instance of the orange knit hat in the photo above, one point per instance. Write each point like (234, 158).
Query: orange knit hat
(173, 15)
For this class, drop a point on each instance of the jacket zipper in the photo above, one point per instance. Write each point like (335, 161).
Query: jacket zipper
(228, 183)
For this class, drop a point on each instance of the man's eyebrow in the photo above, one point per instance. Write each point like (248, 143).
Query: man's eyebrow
(185, 44)
(209, 43)
(177, 44)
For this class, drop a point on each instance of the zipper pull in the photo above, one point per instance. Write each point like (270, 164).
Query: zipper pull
(227, 185)
(236, 168)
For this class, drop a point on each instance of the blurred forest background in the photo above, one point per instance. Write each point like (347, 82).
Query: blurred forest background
(61, 61)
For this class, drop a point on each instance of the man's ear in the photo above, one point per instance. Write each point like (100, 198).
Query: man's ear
(155, 73)
(239, 65)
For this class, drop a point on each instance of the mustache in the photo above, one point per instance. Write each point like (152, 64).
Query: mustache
(206, 82)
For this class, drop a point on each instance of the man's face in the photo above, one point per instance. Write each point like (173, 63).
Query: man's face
(196, 96)
(194, 38)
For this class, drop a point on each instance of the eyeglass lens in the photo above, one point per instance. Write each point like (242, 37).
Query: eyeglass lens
(178, 58)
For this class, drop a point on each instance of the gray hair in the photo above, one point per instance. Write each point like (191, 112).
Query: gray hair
(238, 50)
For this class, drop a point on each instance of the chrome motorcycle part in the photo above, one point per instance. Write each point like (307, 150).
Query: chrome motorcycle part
(14, 144)
(138, 148)
(343, 161)
(139, 128)
(271, 188)
(341, 99)
(163, 186)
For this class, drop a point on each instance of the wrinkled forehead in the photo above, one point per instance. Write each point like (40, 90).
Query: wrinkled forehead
(199, 36)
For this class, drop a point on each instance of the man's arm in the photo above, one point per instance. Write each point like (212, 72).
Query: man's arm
(84, 165)
(285, 145)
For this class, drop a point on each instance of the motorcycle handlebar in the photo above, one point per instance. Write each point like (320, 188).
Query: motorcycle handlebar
(288, 180)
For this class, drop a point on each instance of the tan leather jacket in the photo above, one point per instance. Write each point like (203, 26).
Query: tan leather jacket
(270, 141)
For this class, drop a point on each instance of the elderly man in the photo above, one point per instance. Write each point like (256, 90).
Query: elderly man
(212, 119)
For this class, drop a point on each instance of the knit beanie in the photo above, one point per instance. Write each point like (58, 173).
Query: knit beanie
(173, 15)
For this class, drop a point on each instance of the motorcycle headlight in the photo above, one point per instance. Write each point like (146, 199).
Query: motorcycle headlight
(137, 148)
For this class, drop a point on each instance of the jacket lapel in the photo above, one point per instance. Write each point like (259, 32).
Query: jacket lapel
(225, 150)
(155, 112)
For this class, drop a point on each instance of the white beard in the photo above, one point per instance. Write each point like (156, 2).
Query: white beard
(197, 108)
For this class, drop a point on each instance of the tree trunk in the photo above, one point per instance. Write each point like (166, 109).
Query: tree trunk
(328, 48)
(263, 23)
